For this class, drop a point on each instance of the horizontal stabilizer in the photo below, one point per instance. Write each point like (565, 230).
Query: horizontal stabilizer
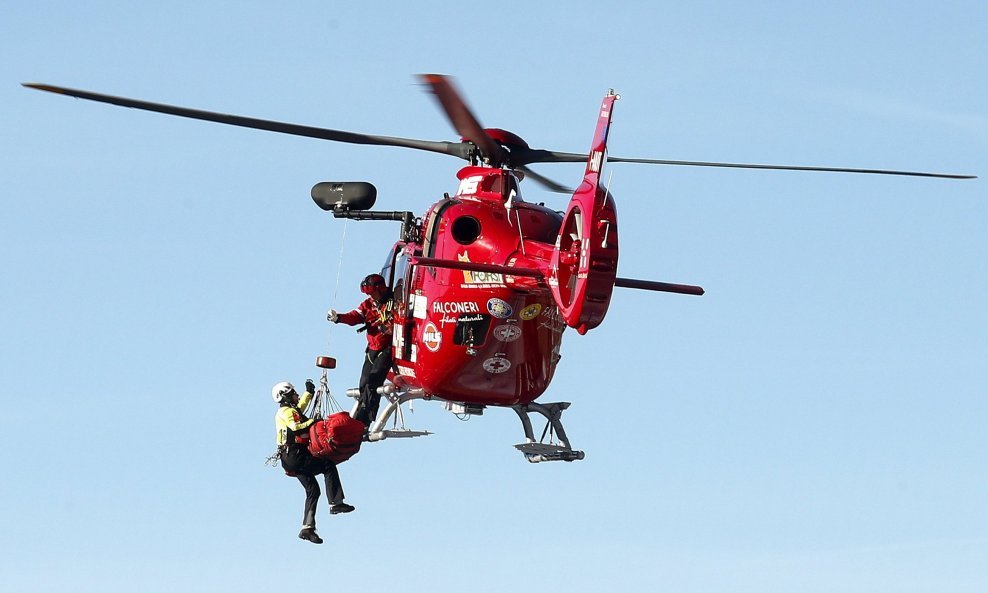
(658, 286)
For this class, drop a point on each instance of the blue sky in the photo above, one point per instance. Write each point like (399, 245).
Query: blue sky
(815, 422)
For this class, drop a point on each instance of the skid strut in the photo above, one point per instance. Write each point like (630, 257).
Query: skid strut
(539, 451)
(395, 396)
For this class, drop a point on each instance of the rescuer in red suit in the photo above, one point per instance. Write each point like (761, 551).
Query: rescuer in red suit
(376, 313)
(292, 437)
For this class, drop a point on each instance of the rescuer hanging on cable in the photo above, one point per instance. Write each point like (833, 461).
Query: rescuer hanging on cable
(376, 313)
(292, 428)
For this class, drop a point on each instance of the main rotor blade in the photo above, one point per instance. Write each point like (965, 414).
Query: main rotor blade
(547, 183)
(793, 168)
(457, 149)
(463, 120)
(549, 156)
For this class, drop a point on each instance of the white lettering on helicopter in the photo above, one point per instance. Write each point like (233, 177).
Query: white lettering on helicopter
(399, 338)
(482, 277)
(596, 160)
(474, 279)
(552, 320)
(420, 306)
(432, 338)
(461, 319)
(455, 307)
(469, 185)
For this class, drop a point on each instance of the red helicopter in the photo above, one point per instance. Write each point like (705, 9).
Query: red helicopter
(485, 283)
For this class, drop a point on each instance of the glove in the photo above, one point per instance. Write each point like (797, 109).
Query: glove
(310, 386)
(332, 315)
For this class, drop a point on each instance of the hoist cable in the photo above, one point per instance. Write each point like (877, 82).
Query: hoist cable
(339, 266)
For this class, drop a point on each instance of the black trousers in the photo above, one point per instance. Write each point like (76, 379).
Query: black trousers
(305, 467)
(377, 363)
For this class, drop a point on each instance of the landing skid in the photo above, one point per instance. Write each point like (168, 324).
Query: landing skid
(558, 448)
(377, 431)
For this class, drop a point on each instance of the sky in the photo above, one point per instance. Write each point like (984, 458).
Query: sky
(815, 422)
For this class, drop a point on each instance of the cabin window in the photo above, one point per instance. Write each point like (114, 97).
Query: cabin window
(394, 272)
(465, 230)
(471, 329)
(432, 228)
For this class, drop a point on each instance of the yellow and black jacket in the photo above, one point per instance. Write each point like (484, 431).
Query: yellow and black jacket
(290, 423)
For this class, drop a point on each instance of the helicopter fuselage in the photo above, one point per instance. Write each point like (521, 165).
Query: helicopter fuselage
(468, 334)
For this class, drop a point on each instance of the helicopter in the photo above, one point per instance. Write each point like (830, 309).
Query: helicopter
(485, 283)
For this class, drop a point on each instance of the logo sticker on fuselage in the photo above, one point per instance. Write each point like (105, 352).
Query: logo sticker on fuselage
(499, 308)
(420, 306)
(530, 312)
(455, 307)
(432, 338)
(497, 365)
(477, 279)
(507, 332)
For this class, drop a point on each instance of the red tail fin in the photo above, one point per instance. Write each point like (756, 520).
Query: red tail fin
(584, 264)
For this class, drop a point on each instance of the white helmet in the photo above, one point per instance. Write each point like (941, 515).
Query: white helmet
(280, 390)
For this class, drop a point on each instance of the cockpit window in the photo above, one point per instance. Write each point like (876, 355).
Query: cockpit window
(394, 271)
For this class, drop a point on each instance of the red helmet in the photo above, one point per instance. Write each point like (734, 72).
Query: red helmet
(371, 282)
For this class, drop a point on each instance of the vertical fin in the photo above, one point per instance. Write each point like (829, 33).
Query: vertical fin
(584, 263)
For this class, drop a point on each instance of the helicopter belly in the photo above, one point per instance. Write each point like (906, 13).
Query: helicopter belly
(489, 347)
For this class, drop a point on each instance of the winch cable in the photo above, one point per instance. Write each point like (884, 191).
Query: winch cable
(339, 266)
(333, 405)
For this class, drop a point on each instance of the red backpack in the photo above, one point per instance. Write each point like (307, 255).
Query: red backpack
(336, 438)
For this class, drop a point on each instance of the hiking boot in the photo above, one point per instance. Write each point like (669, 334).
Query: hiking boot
(340, 507)
(309, 534)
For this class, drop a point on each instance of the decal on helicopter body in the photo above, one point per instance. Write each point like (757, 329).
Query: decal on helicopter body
(478, 279)
(497, 365)
(553, 320)
(399, 337)
(507, 332)
(596, 161)
(432, 338)
(455, 307)
(470, 318)
(468, 186)
(420, 307)
(499, 308)
(530, 312)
